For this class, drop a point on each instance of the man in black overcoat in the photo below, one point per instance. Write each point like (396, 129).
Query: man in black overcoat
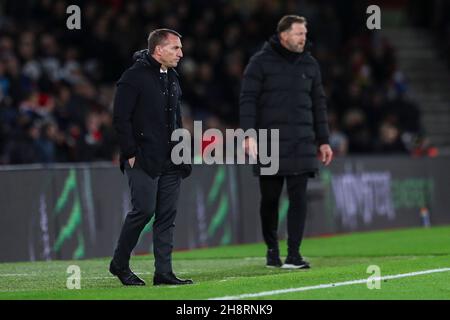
(146, 112)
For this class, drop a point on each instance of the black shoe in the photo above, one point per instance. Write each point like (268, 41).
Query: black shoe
(169, 278)
(273, 258)
(295, 262)
(125, 275)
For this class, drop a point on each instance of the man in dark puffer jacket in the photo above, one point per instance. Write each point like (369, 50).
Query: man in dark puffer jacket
(282, 89)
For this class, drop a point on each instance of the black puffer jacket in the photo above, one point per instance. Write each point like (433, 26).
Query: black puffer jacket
(144, 116)
(283, 90)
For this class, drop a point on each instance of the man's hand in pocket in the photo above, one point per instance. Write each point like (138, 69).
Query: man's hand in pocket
(131, 161)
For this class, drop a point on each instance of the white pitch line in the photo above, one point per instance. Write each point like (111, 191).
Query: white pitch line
(329, 285)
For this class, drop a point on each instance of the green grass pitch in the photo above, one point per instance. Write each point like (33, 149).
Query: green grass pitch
(237, 270)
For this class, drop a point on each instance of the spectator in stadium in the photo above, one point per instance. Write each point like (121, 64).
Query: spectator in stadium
(338, 139)
(357, 131)
(146, 112)
(390, 141)
(282, 89)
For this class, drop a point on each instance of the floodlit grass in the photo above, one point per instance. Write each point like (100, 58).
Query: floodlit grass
(236, 270)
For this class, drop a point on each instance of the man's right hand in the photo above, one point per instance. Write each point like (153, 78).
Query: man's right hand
(251, 147)
(131, 161)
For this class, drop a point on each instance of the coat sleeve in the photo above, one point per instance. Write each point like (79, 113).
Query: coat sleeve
(251, 88)
(178, 118)
(319, 105)
(124, 104)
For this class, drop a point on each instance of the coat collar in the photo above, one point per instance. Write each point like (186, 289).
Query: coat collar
(274, 45)
(146, 59)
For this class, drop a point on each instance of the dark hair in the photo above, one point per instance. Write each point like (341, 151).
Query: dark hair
(156, 37)
(286, 22)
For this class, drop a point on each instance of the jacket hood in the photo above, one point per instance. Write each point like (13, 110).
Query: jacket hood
(143, 57)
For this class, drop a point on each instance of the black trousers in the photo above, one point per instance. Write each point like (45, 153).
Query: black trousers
(271, 187)
(149, 196)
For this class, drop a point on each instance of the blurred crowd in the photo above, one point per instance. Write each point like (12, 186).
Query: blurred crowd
(435, 16)
(57, 85)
